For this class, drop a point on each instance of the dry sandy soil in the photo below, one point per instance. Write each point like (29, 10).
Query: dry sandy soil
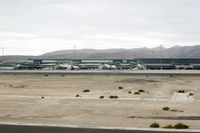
(21, 100)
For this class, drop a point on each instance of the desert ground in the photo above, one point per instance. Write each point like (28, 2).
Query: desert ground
(59, 99)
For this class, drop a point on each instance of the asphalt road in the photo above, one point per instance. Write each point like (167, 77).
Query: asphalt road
(103, 72)
(54, 129)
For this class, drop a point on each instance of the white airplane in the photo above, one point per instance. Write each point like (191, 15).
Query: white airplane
(74, 67)
(65, 66)
(107, 66)
(113, 67)
(139, 67)
(68, 66)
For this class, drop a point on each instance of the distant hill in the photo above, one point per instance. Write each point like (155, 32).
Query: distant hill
(173, 52)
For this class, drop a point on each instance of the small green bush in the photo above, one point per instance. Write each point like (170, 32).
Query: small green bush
(174, 110)
(181, 126)
(10, 85)
(113, 96)
(101, 97)
(46, 75)
(191, 94)
(181, 91)
(137, 93)
(120, 87)
(77, 95)
(141, 90)
(165, 108)
(129, 92)
(86, 90)
(154, 125)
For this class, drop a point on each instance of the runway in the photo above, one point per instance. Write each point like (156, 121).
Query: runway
(6, 128)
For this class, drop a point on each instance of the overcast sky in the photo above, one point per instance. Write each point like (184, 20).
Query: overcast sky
(33, 27)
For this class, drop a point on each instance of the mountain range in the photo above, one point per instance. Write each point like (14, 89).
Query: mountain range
(156, 52)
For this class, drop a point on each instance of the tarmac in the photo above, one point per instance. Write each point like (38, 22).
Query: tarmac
(28, 128)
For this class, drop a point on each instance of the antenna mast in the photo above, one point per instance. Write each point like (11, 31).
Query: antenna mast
(74, 51)
(2, 51)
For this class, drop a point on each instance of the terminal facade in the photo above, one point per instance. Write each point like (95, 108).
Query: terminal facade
(121, 64)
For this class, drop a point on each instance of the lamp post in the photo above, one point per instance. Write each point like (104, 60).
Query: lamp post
(2, 53)
(74, 55)
(161, 61)
(74, 51)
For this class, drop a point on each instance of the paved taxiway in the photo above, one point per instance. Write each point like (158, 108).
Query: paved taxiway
(7, 128)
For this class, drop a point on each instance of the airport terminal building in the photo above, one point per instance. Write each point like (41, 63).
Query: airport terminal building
(136, 63)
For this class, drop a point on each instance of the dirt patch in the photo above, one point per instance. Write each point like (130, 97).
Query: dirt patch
(64, 101)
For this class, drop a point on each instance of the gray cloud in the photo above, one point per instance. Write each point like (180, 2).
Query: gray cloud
(38, 26)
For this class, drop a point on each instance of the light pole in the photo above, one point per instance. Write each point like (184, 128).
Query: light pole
(74, 51)
(73, 60)
(161, 61)
(2, 53)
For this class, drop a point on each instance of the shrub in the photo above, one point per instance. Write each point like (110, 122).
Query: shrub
(169, 126)
(141, 90)
(178, 126)
(77, 95)
(181, 91)
(113, 96)
(10, 85)
(101, 97)
(174, 110)
(137, 93)
(129, 92)
(154, 125)
(120, 87)
(165, 108)
(116, 97)
(62, 75)
(181, 126)
(86, 90)
(42, 97)
(191, 94)
(46, 75)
